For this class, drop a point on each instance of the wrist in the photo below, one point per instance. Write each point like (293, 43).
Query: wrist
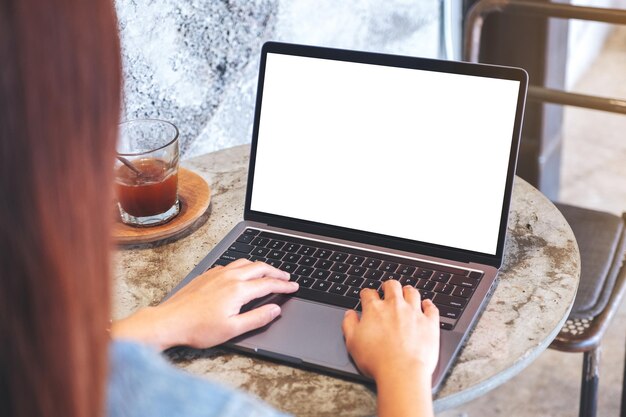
(404, 390)
(403, 370)
(143, 326)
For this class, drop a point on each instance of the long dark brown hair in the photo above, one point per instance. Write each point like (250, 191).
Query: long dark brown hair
(59, 109)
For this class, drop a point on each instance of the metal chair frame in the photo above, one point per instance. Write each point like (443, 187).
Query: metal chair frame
(473, 31)
(589, 341)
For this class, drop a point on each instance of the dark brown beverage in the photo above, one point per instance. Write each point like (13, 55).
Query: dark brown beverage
(152, 192)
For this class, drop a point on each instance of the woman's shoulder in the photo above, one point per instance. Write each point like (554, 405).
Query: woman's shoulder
(142, 383)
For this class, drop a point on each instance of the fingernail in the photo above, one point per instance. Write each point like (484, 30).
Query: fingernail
(287, 274)
(274, 312)
(294, 284)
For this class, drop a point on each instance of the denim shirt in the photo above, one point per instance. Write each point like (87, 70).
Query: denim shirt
(143, 384)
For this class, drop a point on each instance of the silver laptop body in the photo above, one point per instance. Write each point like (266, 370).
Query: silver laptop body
(401, 158)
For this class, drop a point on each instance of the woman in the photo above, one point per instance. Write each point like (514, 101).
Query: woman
(59, 109)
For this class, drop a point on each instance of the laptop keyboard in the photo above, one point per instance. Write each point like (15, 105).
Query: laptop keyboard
(335, 275)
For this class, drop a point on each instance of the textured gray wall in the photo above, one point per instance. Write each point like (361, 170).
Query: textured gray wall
(194, 62)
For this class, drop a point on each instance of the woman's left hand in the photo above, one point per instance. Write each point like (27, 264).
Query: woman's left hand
(206, 312)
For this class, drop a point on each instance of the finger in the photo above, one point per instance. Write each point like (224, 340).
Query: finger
(412, 296)
(430, 310)
(214, 267)
(238, 263)
(368, 296)
(392, 289)
(350, 320)
(263, 286)
(255, 270)
(254, 319)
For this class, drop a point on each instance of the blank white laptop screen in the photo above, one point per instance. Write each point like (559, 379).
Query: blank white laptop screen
(420, 155)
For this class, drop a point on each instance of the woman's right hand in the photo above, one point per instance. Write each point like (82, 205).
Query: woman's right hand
(396, 342)
(394, 332)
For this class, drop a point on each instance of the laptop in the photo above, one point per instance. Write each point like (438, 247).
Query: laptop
(366, 167)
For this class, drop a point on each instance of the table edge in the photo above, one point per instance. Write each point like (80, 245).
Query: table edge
(480, 389)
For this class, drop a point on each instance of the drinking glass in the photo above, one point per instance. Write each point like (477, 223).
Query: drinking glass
(146, 172)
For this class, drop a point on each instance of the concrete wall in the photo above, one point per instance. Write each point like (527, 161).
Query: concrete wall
(194, 62)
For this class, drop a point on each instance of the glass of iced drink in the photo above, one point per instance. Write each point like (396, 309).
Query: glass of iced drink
(146, 172)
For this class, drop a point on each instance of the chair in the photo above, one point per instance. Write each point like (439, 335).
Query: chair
(602, 242)
(601, 236)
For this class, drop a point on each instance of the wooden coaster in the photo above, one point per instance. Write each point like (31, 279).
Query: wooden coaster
(194, 196)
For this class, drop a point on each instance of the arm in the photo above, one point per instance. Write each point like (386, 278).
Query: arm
(205, 312)
(396, 341)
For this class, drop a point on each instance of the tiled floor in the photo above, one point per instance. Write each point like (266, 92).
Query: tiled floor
(594, 176)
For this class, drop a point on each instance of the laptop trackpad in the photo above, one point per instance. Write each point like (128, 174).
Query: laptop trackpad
(306, 331)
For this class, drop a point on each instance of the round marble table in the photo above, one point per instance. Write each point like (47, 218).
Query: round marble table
(537, 286)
